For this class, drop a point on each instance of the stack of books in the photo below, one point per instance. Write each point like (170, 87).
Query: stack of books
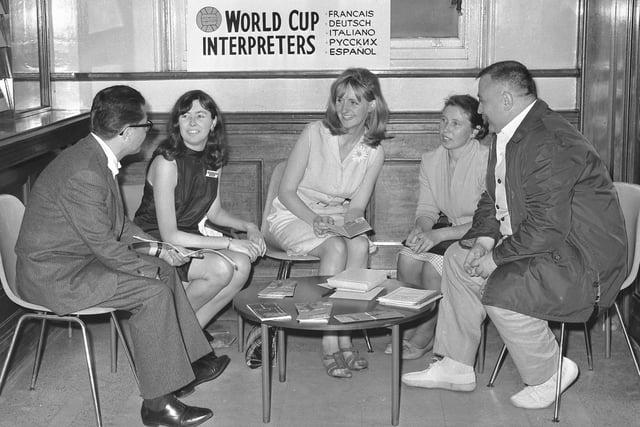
(269, 311)
(278, 289)
(357, 283)
(314, 312)
(357, 279)
(409, 297)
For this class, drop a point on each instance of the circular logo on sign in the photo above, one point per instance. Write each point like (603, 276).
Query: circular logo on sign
(208, 19)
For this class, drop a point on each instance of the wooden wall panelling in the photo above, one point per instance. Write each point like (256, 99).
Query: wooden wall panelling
(259, 141)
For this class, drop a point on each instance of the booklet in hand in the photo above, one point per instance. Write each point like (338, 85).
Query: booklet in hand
(155, 247)
(351, 229)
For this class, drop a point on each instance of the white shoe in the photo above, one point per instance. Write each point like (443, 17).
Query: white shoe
(447, 374)
(543, 395)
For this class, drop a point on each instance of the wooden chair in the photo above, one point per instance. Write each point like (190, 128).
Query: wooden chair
(276, 253)
(11, 213)
(629, 197)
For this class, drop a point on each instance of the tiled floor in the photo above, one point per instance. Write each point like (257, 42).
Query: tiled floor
(607, 396)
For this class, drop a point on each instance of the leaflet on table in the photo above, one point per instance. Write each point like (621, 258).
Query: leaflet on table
(352, 228)
(368, 316)
(314, 312)
(358, 279)
(410, 297)
(279, 289)
(269, 311)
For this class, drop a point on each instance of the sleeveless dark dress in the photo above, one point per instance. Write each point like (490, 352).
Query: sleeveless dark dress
(196, 189)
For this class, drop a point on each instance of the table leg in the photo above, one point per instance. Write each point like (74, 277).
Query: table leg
(266, 380)
(282, 360)
(395, 375)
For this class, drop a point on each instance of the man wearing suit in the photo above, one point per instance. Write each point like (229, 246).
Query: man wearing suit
(547, 243)
(73, 253)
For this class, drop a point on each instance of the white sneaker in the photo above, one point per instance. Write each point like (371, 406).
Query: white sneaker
(447, 374)
(543, 395)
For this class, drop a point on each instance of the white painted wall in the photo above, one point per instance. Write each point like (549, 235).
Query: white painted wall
(542, 34)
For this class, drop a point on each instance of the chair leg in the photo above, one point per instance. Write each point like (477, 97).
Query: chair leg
(284, 270)
(240, 334)
(113, 345)
(626, 337)
(367, 341)
(482, 350)
(36, 362)
(494, 374)
(607, 333)
(92, 381)
(556, 406)
(10, 352)
(587, 343)
(115, 325)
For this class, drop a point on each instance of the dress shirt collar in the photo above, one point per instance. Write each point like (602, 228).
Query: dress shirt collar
(510, 128)
(112, 161)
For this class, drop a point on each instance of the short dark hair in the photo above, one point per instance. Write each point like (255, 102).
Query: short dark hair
(513, 73)
(215, 151)
(469, 105)
(366, 86)
(114, 108)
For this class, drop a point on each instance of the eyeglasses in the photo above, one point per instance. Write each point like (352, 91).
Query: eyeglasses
(147, 126)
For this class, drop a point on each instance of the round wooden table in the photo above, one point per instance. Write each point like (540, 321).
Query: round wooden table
(307, 290)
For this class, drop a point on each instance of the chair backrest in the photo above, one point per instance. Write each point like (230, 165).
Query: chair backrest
(11, 213)
(272, 192)
(629, 197)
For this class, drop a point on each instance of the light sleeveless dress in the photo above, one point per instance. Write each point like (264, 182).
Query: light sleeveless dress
(327, 186)
(453, 191)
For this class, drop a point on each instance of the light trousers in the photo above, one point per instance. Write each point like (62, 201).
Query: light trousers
(531, 343)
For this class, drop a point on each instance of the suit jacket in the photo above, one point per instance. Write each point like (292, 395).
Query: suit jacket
(568, 248)
(74, 238)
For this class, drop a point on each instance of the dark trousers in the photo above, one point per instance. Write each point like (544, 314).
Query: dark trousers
(165, 334)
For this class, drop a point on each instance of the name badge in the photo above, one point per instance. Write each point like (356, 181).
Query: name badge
(212, 174)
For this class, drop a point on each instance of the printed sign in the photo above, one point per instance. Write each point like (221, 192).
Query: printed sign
(224, 35)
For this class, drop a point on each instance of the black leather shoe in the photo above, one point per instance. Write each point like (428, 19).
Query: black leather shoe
(175, 414)
(206, 368)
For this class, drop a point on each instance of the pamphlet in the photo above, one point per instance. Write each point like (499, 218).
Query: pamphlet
(279, 289)
(154, 247)
(364, 296)
(351, 229)
(314, 312)
(269, 311)
(368, 316)
(406, 297)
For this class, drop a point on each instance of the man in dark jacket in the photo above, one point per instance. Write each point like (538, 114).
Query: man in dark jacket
(547, 244)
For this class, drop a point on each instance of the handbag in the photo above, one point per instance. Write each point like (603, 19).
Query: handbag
(253, 352)
(441, 247)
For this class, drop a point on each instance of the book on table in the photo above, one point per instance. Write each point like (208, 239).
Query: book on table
(367, 316)
(351, 229)
(269, 311)
(406, 297)
(314, 312)
(358, 279)
(279, 289)
(363, 296)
